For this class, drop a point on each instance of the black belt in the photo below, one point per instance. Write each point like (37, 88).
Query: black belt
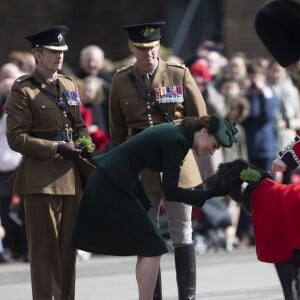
(66, 135)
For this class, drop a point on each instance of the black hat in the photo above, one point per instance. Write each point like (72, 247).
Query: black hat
(277, 24)
(52, 38)
(223, 130)
(144, 35)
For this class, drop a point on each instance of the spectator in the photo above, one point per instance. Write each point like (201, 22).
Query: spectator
(3, 256)
(237, 69)
(216, 63)
(24, 60)
(93, 96)
(215, 105)
(9, 70)
(229, 87)
(260, 125)
(214, 100)
(289, 102)
(92, 62)
(260, 128)
(9, 160)
(237, 110)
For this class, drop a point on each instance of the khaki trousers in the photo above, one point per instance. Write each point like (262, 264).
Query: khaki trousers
(49, 224)
(179, 215)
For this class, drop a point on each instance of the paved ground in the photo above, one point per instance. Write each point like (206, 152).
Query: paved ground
(221, 276)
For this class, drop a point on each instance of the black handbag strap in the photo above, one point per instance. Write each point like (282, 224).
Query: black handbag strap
(61, 105)
(167, 118)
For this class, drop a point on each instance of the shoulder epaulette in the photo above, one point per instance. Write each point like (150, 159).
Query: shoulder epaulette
(23, 77)
(123, 69)
(181, 66)
(67, 77)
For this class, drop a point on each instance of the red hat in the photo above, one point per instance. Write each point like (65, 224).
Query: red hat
(200, 69)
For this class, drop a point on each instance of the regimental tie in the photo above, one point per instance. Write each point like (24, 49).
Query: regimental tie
(147, 80)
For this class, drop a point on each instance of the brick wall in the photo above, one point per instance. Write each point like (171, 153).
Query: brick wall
(100, 22)
(91, 21)
(238, 27)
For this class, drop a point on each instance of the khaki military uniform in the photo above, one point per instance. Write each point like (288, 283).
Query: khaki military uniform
(50, 184)
(130, 111)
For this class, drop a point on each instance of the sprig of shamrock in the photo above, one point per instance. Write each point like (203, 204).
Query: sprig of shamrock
(85, 143)
(250, 175)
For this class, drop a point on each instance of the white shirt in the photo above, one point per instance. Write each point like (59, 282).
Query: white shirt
(9, 159)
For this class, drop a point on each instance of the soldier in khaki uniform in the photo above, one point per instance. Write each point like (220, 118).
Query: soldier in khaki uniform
(147, 93)
(47, 176)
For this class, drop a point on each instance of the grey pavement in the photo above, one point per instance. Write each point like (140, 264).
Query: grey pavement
(236, 275)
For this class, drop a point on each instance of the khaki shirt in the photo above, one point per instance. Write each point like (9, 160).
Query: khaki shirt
(29, 110)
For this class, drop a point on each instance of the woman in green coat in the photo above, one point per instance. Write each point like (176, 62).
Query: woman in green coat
(111, 219)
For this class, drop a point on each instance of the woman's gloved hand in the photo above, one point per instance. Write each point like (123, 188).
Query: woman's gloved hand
(68, 150)
(217, 193)
(207, 194)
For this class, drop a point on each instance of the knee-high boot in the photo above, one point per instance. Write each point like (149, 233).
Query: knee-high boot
(185, 264)
(157, 295)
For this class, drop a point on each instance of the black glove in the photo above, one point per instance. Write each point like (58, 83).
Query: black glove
(68, 150)
(142, 195)
(216, 193)
(204, 196)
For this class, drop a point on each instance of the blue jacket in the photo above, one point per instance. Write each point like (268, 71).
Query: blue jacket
(260, 125)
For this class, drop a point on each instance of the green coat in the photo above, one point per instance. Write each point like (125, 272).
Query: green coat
(111, 220)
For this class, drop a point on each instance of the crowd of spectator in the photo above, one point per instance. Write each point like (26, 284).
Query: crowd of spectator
(256, 93)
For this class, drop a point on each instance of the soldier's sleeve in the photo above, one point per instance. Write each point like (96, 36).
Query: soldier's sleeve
(290, 155)
(117, 124)
(18, 125)
(194, 103)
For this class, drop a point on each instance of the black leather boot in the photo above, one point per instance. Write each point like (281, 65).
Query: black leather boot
(157, 295)
(185, 264)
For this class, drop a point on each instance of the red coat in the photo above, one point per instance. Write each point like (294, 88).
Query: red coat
(99, 137)
(276, 220)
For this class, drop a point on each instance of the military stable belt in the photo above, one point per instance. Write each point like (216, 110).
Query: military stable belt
(63, 135)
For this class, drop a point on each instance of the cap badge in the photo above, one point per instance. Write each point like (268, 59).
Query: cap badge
(148, 31)
(60, 37)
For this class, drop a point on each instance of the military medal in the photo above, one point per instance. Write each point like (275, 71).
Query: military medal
(169, 94)
(72, 98)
